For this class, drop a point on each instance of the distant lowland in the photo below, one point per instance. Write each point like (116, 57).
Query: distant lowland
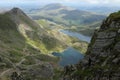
(74, 19)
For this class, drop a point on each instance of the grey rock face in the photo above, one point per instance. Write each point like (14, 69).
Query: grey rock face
(102, 61)
(114, 25)
(117, 46)
(103, 39)
(106, 35)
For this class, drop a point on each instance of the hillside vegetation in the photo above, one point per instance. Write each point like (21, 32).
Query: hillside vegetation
(25, 47)
(17, 50)
(69, 17)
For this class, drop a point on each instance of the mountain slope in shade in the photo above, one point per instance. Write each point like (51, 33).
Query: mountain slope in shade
(22, 43)
(34, 33)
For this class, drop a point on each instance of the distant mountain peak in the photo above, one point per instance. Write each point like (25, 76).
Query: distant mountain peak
(17, 11)
(55, 6)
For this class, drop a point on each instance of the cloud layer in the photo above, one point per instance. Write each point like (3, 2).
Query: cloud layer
(90, 2)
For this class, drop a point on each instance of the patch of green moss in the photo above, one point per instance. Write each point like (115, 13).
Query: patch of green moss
(58, 73)
(37, 45)
(15, 56)
(6, 23)
(115, 16)
(29, 60)
(86, 72)
(117, 38)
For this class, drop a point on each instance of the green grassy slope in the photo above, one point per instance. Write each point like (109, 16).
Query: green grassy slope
(34, 33)
(25, 46)
(53, 29)
(69, 17)
(17, 48)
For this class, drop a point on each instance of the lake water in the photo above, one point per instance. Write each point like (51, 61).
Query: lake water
(77, 35)
(71, 55)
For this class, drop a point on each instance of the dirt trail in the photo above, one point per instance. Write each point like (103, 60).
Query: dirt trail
(5, 72)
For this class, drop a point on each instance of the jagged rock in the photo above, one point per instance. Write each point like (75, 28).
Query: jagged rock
(38, 71)
(116, 60)
(105, 35)
(16, 76)
(2, 64)
(104, 52)
(119, 31)
(117, 46)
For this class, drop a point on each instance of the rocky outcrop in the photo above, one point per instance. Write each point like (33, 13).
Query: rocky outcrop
(102, 60)
(41, 71)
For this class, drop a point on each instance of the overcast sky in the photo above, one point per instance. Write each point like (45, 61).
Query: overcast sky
(76, 2)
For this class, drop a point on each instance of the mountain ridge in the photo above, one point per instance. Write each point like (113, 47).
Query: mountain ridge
(65, 13)
(20, 52)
